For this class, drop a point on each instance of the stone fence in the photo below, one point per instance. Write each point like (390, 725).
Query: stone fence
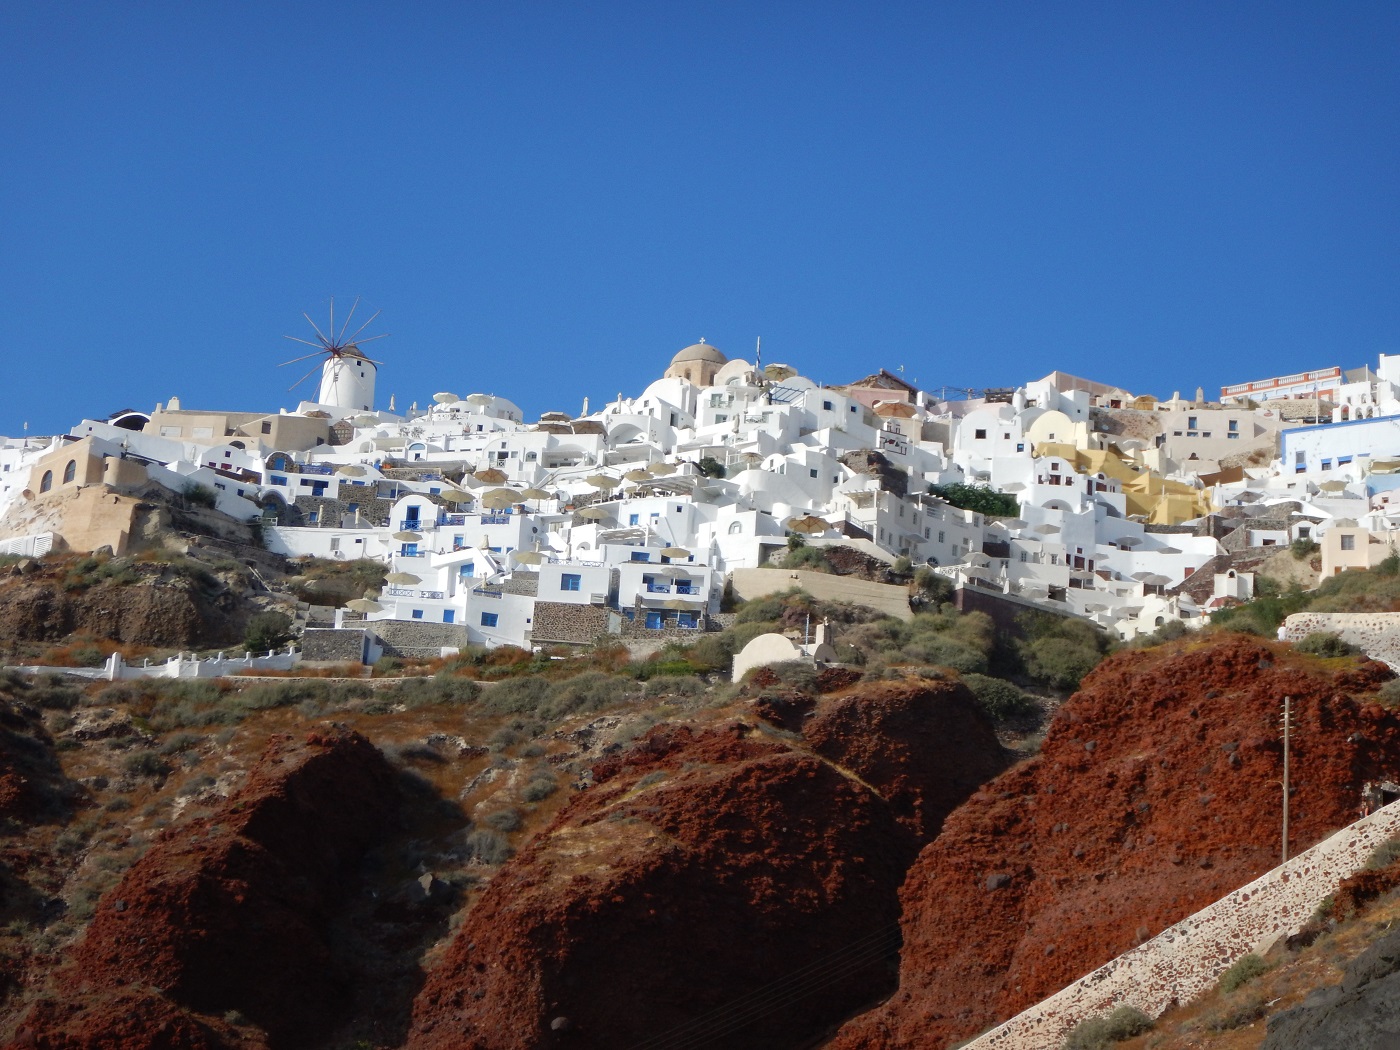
(1187, 959)
(1375, 634)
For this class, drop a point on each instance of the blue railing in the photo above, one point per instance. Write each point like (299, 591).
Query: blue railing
(452, 519)
(487, 594)
(495, 519)
(316, 468)
(411, 524)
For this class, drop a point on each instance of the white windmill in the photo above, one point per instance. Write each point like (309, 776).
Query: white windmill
(347, 375)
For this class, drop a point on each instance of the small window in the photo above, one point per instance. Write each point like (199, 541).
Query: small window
(641, 556)
(467, 570)
(735, 528)
(1234, 425)
(569, 581)
(634, 519)
(47, 482)
(489, 619)
(418, 614)
(449, 616)
(812, 472)
(826, 406)
(1348, 541)
(656, 620)
(267, 428)
(71, 471)
(979, 434)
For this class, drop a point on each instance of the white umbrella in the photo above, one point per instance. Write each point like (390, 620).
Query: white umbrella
(1047, 529)
(403, 578)
(446, 398)
(480, 399)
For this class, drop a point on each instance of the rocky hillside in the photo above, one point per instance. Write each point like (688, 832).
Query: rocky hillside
(729, 886)
(1155, 793)
(226, 917)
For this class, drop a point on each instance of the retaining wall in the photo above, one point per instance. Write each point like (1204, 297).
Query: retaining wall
(1187, 959)
(1376, 634)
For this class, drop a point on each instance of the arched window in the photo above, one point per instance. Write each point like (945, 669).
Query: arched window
(47, 483)
(735, 528)
(71, 471)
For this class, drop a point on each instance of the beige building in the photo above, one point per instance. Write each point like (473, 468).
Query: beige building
(698, 363)
(1350, 546)
(250, 430)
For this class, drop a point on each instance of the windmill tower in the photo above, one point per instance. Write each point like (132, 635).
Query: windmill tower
(347, 375)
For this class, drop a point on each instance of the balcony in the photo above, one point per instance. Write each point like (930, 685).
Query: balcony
(411, 524)
(452, 519)
(495, 519)
(315, 468)
(413, 592)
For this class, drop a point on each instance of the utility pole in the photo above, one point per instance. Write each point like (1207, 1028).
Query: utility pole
(1287, 728)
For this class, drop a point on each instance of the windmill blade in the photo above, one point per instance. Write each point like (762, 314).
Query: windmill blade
(304, 357)
(331, 327)
(362, 327)
(346, 326)
(357, 342)
(319, 334)
(301, 380)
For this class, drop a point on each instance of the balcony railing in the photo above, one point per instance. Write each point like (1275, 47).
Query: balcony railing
(411, 524)
(482, 592)
(316, 468)
(495, 519)
(412, 592)
(452, 519)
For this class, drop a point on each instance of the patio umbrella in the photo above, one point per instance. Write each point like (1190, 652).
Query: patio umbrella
(594, 513)
(529, 557)
(364, 419)
(480, 399)
(446, 398)
(403, 578)
(637, 475)
(363, 605)
(499, 499)
(679, 604)
(533, 493)
(675, 552)
(456, 495)
(350, 470)
(662, 469)
(601, 481)
(491, 476)
(808, 523)
(408, 537)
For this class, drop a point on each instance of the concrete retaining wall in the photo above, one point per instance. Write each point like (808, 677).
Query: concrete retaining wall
(1187, 959)
(888, 599)
(1377, 634)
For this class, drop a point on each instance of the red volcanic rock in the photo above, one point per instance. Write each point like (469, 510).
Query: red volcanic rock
(704, 866)
(1156, 793)
(924, 745)
(228, 912)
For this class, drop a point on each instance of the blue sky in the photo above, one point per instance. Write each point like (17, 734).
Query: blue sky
(548, 200)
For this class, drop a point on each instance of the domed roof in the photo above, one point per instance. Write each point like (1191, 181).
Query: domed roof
(701, 351)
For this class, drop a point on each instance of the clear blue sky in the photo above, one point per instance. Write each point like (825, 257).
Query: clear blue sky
(548, 200)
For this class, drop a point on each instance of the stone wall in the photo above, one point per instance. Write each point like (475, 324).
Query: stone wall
(418, 639)
(886, 598)
(1186, 960)
(568, 623)
(1376, 634)
(345, 645)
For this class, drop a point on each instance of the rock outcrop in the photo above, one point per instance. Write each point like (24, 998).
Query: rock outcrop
(225, 917)
(1362, 1013)
(924, 745)
(1156, 792)
(721, 886)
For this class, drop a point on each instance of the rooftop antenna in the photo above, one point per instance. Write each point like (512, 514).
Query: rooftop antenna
(334, 345)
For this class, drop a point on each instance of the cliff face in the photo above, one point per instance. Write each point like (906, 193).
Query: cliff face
(1156, 792)
(725, 886)
(228, 913)
(165, 614)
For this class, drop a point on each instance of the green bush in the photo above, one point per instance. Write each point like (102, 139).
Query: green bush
(516, 696)
(1000, 699)
(1326, 643)
(1060, 662)
(438, 691)
(539, 788)
(267, 630)
(946, 652)
(1242, 972)
(200, 495)
(1302, 550)
(1099, 1033)
(711, 467)
(590, 691)
(978, 498)
(504, 820)
(672, 685)
(487, 846)
(813, 558)
(145, 764)
(1384, 855)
